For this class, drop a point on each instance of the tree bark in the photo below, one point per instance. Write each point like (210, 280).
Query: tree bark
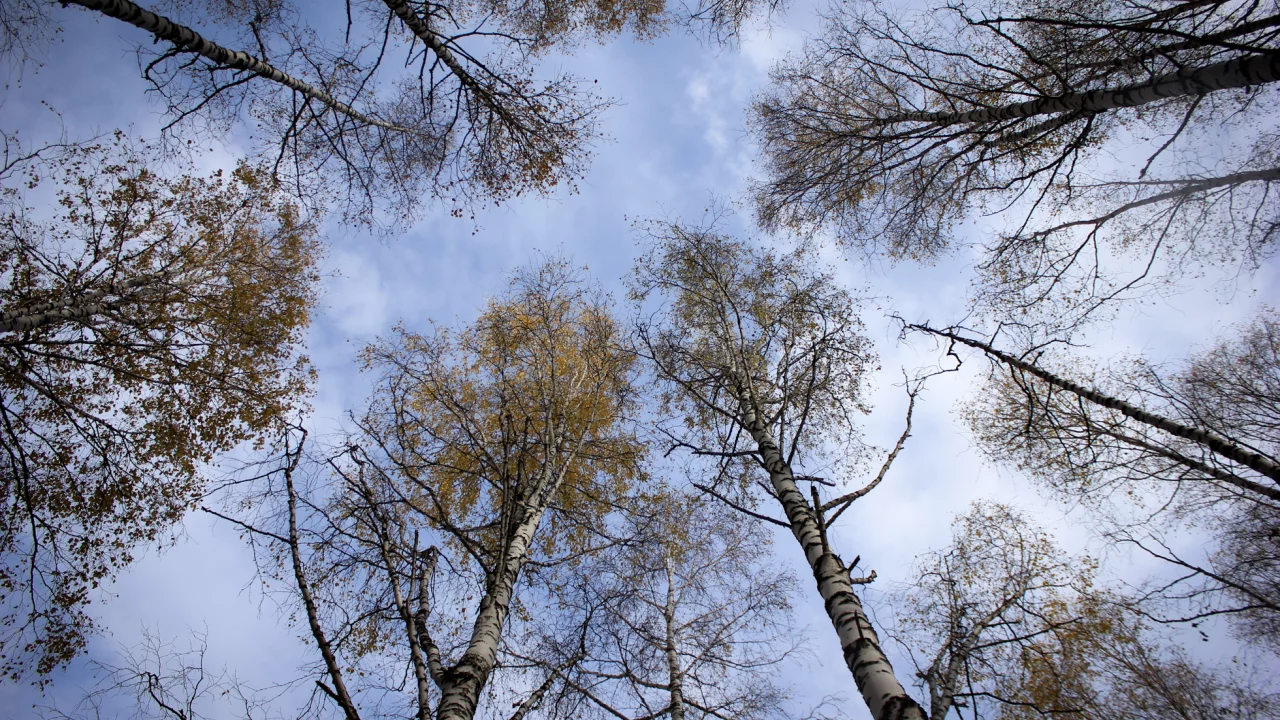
(1216, 443)
(674, 672)
(184, 38)
(1237, 73)
(872, 673)
(462, 683)
(339, 692)
(421, 30)
(35, 316)
(1183, 189)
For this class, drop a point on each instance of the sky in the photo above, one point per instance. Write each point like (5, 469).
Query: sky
(675, 138)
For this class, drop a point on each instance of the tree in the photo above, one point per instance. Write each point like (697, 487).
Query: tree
(1012, 627)
(977, 606)
(684, 620)
(763, 363)
(411, 102)
(890, 131)
(147, 325)
(467, 118)
(488, 459)
(1196, 446)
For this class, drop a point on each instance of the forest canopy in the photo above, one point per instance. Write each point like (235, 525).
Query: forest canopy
(639, 359)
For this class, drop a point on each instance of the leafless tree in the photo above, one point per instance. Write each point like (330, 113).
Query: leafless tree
(763, 363)
(891, 130)
(159, 680)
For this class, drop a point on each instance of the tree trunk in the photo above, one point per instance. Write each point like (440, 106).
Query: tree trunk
(339, 692)
(418, 26)
(1217, 444)
(189, 40)
(1238, 73)
(35, 316)
(674, 672)
(871, 670)
(462, 683)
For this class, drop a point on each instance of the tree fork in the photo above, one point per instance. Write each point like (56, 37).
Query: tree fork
(872, 672)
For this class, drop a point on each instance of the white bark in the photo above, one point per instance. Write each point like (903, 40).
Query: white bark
(1237, 73)
(189, 40)
(87, 304)
(872, 673)
(460, 691)
(674, 672)
(421, 30)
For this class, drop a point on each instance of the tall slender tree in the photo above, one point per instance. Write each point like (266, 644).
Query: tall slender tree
(487, 460)
(147, 325)
(763, 362)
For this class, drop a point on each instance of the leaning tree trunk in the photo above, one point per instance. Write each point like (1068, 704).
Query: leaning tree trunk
(184, 38)
(872, 672)
(1214, 442)
(1237, 73)
(461, 684)
(421, 30)
(85, 305)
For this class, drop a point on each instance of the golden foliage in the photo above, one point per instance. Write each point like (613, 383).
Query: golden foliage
(531, 400)
(152, 324)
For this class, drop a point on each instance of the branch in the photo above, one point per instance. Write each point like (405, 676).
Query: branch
(1214, 442)
(739, 508)
(846, 500)
(186, 39)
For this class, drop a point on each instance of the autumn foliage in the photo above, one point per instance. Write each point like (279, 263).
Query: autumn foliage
(149, 325)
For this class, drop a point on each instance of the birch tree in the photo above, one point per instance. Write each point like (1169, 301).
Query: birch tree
(1197, 445)
(486, 461)
(763, 364)
(687, 619)
(1009, 626)
(890, 130)
(147, 325)
(412, 102)
(980, 609)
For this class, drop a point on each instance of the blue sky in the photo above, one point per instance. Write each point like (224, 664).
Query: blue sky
(675, 137)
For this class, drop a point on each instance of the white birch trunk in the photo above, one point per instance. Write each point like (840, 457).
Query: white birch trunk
(1218, 444)
(187, 39)
(462, 683)
(87, 304)
(674, 672)
(421, 30)
(1237, 73)
(872, 673)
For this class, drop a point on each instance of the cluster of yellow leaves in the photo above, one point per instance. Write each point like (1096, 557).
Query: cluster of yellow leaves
(532, 398)
(191, 297)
